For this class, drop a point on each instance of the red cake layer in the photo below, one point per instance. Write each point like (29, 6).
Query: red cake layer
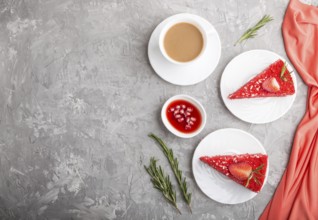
(256, 161)
(254, 88)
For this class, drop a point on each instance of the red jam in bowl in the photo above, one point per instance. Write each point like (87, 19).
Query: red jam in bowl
(184, 116)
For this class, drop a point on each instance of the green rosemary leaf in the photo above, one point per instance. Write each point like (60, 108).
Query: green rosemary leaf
(252, 32)
(174, 164)
(162, 182)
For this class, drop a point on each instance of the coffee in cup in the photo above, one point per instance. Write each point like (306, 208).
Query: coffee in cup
(182, 41)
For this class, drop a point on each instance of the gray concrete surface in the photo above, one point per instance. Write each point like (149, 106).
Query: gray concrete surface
(78, 98)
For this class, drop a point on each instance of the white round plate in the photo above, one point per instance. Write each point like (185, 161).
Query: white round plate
(239, 71)
(187, 74)
(214, 184)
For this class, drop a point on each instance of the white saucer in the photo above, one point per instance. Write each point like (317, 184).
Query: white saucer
(187, 74)
(214, 184)
(239, 71)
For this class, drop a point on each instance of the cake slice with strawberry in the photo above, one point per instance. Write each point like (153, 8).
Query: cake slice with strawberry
(274, 81)
(248, 170)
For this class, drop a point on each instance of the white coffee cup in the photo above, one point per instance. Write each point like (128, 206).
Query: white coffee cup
(166, 28)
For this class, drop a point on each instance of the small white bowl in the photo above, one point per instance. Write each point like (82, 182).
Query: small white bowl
(194, 102)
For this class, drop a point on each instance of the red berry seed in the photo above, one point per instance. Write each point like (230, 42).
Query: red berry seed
(187, 127)
(180, 120)
(177, 116)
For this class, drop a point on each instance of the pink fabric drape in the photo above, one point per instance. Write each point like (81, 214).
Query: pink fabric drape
(296, 196)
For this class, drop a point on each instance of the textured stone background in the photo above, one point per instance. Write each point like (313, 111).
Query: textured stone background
(78, 98)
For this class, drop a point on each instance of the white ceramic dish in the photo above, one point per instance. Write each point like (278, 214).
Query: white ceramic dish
(193, 101)
(253, 110)
(215, 185)
(193, 72)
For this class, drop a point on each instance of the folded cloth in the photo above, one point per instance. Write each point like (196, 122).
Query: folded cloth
(296, 196)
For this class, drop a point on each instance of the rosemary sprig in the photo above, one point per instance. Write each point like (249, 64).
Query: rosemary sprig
(283, 72)
(252, 32)
(256, 170)
(174, 164)
(162, 182)
(256, 180)
(248, 180)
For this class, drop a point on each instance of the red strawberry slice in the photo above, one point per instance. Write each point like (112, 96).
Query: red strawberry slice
(240, 171)
(271, 85)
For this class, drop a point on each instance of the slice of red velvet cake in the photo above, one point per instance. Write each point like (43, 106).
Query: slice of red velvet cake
(274, 81)
(248, 170)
